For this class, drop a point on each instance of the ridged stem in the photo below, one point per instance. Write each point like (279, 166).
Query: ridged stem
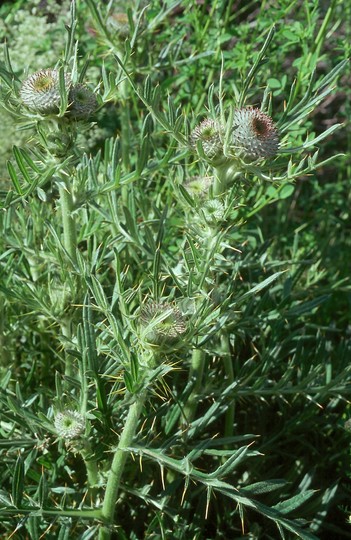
(229, 372)
(224, 176)
(198, 361)
(70, 245)
(91, 466)
(117, 467)
(68, 222)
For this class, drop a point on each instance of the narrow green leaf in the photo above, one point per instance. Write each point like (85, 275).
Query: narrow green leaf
(18, 482)
(21, 165)
(14, 178)
(264, 487)
(287, 506)
(260, 286)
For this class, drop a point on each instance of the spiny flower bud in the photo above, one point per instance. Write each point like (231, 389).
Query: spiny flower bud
(214, 211)
(119, 23)
(162, 322)
(41, 91)
(69, 424)
(82, 101)
(255, 135)
(60, 296)
(199, 186)
(210, 134)
(58, 143)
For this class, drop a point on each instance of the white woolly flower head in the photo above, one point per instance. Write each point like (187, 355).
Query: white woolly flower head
(41, 91)
(69, 424)
(255, 134)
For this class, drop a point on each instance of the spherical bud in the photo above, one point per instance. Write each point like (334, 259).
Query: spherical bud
(199, 186)
(82, 102)
(118, 24)
(255, 135)
(41, 91)
(210, 134)
(214, 211)
(162, 322)
(60, 297)
(59, 143)
(69, 425)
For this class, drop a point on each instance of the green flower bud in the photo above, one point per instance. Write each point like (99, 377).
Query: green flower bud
(210, 134)
(41, 91)
(162, 322)
(60, 294)
(69, 424)
(82, 102)
(214, 211)
(255, 135)
(199, 186)
(59, 143)
(118, 24)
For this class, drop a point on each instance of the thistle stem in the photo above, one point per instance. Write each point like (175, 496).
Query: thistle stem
(117, 467)
(5, 360)
(229, 371)
(196, 374)
(69, 360)
(90, 465)
(70, 244)
(68, 222)
(220, 181)
(224, 176)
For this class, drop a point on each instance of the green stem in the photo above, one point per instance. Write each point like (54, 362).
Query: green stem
(70, 245)
(5, 359)
(68, 222)
(90, 465)
(69, 359)
(196, 374)
(117, 467)
(229, 371)
(225, 175)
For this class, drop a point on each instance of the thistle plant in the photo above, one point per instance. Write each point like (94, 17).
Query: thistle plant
(163, 335)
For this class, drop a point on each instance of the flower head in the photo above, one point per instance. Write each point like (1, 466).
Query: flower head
(41, 91)
(162, 322)
(119, 23)
(69, 424)
(210, 134)
(82, 101)
(214, 211)
(198, 186)
(255, 135)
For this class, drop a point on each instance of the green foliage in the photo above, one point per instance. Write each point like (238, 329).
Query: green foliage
(117, 226)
